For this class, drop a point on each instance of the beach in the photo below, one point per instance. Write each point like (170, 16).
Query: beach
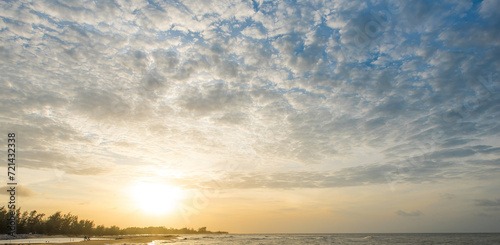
(128, 240)
(103, 240)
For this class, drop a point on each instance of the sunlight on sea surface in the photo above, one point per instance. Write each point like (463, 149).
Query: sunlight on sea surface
(296, 239)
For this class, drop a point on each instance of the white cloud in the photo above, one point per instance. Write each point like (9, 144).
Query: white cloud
(254, 32)
(488, 8)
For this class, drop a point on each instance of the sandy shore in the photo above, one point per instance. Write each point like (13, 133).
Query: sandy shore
(119, 240)
(128, 240)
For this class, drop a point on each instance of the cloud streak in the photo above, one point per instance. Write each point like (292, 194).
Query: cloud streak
(416, 213)
(488, 203)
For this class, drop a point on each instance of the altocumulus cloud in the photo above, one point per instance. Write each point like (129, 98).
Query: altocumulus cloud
(259, 85)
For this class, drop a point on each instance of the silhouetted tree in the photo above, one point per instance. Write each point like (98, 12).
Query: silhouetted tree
(4, 220)
(99, 230)
(68, 224)
(54, 224)
(35, 222)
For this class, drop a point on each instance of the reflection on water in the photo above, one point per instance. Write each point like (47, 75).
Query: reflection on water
(47, 240)
(339, 238)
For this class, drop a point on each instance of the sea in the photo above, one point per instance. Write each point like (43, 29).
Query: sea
(295, 239)
(375, 239)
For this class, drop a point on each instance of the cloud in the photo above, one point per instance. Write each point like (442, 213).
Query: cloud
(214, 97)
(456, 142)
(415, 213)
(453, 153)
(488, 202)
(165, 59)
(493, 162)
(372, 174)
(447, 196)
(254, 32)
(21, 191)
(487, 8)
(269, 83)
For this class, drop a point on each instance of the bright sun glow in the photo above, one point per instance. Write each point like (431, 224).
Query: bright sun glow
(156, 198)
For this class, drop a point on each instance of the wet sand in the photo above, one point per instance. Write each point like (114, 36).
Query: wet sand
(118, 240)
(128, 240)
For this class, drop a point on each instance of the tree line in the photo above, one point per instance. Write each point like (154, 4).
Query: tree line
(69, 224)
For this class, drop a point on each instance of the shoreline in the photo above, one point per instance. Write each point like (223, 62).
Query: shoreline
(132, 239)
(129, 240)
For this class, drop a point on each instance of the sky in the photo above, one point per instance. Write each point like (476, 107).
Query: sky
(256, 116)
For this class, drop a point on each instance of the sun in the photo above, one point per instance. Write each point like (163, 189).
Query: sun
(156, 199)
